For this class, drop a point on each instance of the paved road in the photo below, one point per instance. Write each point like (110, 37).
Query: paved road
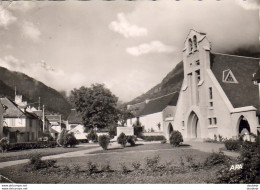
(205, 147)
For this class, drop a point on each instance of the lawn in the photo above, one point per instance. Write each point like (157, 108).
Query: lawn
(174, 166)
(23, 154)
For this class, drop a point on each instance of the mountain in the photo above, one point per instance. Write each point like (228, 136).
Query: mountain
(171, 83)
(31, 90)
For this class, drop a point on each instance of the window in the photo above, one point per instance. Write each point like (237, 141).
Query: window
(198, 75)
(30, 122)
(12, 122)
(215, 121)
(190, 64)
(210, 121)
(195, 43)
(210, 93)
(211, 104)
(190, 45)
(229, 77)
(198, 62)
(182, 123)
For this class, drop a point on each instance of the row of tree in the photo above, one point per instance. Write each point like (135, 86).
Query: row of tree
(99, 107)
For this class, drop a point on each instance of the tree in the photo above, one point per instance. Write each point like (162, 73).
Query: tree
(123, 115)
(97, 105)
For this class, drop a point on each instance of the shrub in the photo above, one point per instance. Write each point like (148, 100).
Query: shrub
(231, 144)
(124, 168)
(66, 139)
(92, 136)
(37, 163)
(131, 140)
(70, 140)
(106, 168)
(122, 139)
(92, 167)
(216, 159)
(176, 138)
(62, 137)
(152, 163)
(136, 165)
(103, 141)
(4, 144)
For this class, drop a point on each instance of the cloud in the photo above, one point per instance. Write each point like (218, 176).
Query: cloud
(249, 4)
(45, 66)
(152, 47)
(31, 31)
(122, 26)
(6, 17)
(21, 5)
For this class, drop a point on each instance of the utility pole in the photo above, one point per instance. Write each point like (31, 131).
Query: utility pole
(43, 118)
(39, 107)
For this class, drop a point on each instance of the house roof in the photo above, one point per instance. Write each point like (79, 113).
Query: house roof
(158, 104)
(13, 111)
(53, 130)
(244, 92)
(75, 117)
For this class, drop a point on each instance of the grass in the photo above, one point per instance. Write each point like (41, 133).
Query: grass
(23, 154)
(74, 170)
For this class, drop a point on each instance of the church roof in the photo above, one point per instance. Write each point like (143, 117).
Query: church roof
(158, 104)
(244, 92)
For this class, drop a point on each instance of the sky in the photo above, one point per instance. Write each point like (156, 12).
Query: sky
(127, 45)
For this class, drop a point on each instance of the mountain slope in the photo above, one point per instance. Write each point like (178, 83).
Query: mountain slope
(171, 83)
(31, 90)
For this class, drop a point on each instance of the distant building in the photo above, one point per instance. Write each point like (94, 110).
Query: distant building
(56, 122)
(75, 125)
(20, 125)
(155, 113)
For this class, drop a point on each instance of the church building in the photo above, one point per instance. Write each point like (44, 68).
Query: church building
(218, 95)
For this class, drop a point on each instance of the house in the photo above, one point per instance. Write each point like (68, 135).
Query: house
(218, 96)
(20, 125)
(75, 125)
(155, 113)
(55, 122)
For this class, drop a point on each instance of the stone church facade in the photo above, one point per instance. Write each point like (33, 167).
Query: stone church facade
(218, 95)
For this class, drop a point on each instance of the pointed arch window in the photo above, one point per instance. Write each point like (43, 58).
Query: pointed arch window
(190, 45)
(195, 43)
(228, 77)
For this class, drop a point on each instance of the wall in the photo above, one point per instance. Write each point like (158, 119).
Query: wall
(151, 122)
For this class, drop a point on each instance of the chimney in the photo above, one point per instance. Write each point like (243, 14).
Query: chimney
(18, 99)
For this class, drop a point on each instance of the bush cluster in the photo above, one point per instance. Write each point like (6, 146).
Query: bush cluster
(92, 136)
(216, 159)
(153, 138)
(250, 161)
(232, 144)
(176, 138)
(123, 139)
(37, 163)
(104, 141)
(66, 139)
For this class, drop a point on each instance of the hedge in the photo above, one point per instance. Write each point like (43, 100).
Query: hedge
(32, 145)
(153, 138)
